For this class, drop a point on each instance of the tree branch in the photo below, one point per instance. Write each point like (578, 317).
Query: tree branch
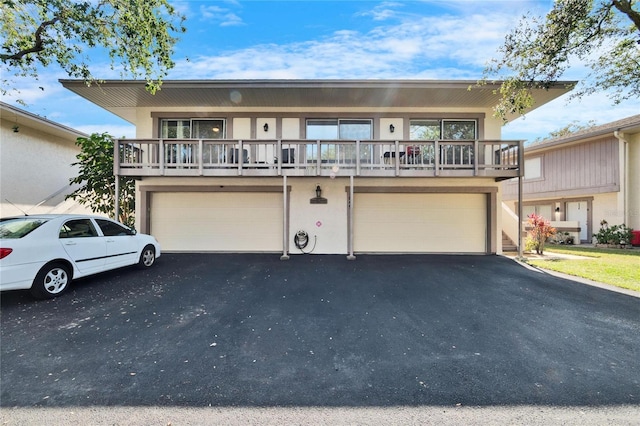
(624, 6)
(38, 45)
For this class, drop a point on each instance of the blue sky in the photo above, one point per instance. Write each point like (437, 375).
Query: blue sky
(334, 39)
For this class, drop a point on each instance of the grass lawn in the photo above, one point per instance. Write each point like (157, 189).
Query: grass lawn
(617, 267)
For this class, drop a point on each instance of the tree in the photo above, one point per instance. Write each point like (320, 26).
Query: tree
(98, 183)
(137, 35)
(603, 34)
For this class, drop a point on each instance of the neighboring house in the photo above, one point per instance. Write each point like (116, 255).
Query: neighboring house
(357, 166)
(35, 164)
(580, 179)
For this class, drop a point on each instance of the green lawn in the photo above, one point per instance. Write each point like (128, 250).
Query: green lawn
(617, 267)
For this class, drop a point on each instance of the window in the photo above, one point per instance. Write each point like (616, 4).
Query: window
(432, 129)
(19, 227)
(78, 228)
(351, 129)
(112, 229)
(192, 129)
(424, 130)
(533, 168)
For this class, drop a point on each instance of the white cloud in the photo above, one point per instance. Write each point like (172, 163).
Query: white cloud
(221, 16)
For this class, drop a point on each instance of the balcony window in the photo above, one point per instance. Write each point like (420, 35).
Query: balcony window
(328, 129)
(423, 129)
(192, 129)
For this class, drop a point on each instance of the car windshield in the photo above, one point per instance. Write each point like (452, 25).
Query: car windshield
(19, 227)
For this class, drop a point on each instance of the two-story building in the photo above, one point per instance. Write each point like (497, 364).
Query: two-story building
(321, 166)
(578, 180)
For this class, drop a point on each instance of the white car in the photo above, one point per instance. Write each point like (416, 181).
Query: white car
(44, 253)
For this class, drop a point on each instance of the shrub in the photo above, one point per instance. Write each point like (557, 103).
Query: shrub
(540, 231)
(614, 235)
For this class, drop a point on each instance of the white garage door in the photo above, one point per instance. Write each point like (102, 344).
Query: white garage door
(420, 223)
(220, 221)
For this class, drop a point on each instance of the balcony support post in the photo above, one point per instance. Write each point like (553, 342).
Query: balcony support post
(350, 256)
(285, 220)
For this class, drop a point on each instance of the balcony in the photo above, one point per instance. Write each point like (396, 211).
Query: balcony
(204, 157)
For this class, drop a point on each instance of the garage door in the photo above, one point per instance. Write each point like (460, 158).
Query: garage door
(220, 221)
(420, 223)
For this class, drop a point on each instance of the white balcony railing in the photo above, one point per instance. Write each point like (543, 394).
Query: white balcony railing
(204, 157)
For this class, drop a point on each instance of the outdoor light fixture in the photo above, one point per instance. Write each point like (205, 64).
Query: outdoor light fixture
(557, 209)
(318, 198)
(266, 127)
(16, 129)
(392, 128)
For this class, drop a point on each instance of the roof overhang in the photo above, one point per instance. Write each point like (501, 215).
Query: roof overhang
(24, 118)
(122, 97)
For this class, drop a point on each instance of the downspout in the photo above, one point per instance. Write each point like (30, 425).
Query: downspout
(625, 174)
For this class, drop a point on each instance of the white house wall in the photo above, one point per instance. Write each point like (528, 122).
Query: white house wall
(35, 167)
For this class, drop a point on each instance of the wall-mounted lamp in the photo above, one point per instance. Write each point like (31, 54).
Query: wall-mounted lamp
(318, 198)
(392, 128)
(16, 129)
(557, 209)
(266, 127)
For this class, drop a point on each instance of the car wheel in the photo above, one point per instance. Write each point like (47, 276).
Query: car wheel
(147, 257)
(52, 280)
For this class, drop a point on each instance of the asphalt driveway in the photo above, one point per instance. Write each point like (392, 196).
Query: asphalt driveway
(205, 330)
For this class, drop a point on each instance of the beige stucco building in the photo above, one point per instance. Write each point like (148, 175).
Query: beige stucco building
(35, 164)
(321, 166)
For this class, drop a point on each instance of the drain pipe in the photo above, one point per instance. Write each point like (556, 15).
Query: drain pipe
(625, 174)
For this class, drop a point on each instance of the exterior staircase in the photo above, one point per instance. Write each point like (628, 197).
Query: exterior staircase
(508, 244)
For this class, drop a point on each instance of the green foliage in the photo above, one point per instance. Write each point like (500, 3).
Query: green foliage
(614, 235)
(540, 231)
(537, 52)
(98, 181)
(136, 34)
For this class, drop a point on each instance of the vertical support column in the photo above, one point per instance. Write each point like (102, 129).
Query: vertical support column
(520, 175)
(117, 200)
(350, 256)
(285, 220)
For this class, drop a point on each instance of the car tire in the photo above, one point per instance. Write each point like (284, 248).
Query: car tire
(147, 257)
(51, 281)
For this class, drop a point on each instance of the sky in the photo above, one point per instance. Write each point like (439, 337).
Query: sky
(348, 39)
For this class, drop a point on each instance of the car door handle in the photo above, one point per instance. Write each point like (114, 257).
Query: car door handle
(70, 243)
(110, 240)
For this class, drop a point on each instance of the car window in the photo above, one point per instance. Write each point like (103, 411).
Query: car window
(78, 228)
(112, 229)
(19, 227)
